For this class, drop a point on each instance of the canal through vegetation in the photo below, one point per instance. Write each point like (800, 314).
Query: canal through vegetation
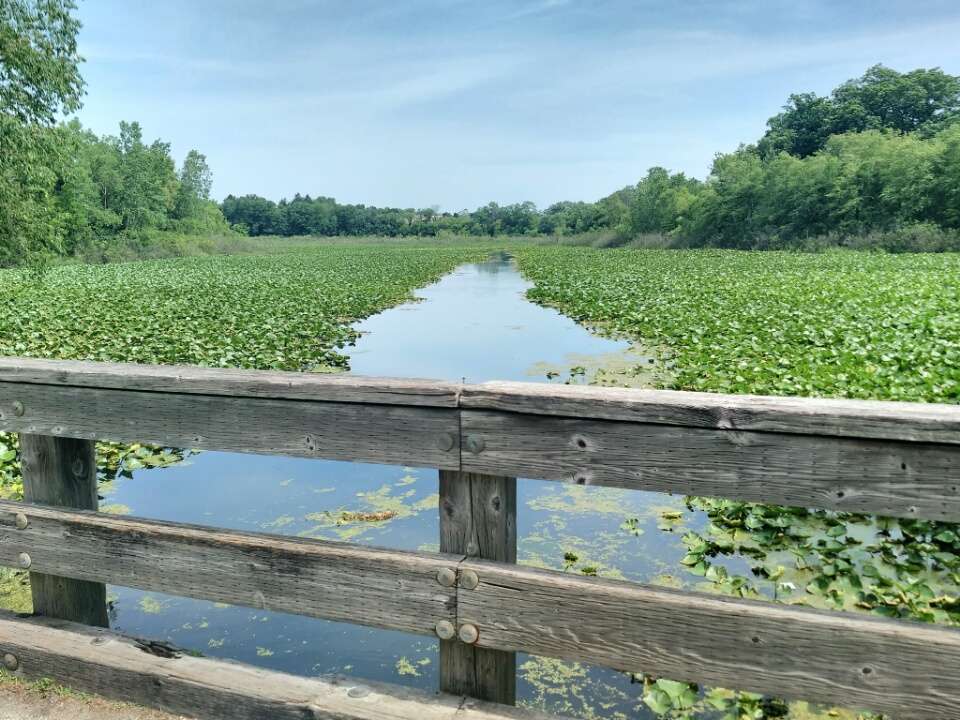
(475, 324)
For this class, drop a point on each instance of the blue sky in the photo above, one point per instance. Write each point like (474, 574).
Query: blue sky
(454, 103)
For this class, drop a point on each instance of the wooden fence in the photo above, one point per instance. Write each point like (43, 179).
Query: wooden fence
(894, 459)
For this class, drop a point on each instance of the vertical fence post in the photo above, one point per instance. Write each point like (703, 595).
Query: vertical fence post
(478, 517)
(63, 472)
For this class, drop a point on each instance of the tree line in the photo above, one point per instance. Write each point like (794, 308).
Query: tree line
(875, 163)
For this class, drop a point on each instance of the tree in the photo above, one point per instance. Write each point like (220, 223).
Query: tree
(39, 79)
(194, 190)
(39, 75)
(922, 100)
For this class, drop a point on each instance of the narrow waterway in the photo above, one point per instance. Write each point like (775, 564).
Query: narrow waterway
(475, 324)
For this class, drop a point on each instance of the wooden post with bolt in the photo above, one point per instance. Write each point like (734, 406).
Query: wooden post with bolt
(61, 472)
(478, 518)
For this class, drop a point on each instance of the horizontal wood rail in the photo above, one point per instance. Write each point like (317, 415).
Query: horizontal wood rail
(99, 661)
(888, 458)
(895, 459)
(752, 645)
(335, 581)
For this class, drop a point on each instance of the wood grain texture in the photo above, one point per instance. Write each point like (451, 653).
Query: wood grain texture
(230, 382)
(337, 581)
(906, 669)
(63, 472)
(402, 435)
(478, 518)
(102, 662)
(903, 479)
(918, 422)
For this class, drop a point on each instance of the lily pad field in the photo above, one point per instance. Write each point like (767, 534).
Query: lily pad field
(836, 324)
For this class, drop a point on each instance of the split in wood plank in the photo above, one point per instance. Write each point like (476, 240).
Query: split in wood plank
(231, 382)
(63, 472)
(873, 419)
(337, 581)
(478, 518)
(893, 478)
(390, 434)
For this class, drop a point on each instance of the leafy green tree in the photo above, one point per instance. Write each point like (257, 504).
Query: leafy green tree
(194, 189)
(945, 183)
(39, 79)
(922, 100)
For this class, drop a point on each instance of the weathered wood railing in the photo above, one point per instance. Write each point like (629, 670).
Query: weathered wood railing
(893, 459)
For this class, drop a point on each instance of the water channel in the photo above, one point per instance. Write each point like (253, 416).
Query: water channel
(474, 324)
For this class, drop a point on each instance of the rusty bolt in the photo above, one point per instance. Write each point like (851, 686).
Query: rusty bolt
(447, 577)
(475, 444)
(25, 561)
(446, 441)
(469, 580)
(17, 408)
(469, 634)
(445, 630)
(10, 662)
(21, 521)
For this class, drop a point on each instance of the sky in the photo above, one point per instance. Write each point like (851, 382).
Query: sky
(456, 103)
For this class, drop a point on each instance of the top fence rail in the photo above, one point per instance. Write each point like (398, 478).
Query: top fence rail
(887, 458)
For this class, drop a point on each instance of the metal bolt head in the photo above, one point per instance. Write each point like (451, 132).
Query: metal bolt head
(446, 577)
(21, 521)
(475, 444)
(11, 662)
(25, 561)
(445, 630)
(469, 579)
(17, 408)
(446, 441)
(358, 691)
(469, 634)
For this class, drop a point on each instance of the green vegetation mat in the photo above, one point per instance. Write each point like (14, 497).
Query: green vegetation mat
(290, 311)
(838, 324)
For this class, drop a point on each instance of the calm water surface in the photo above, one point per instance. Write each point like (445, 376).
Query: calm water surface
(473, 324)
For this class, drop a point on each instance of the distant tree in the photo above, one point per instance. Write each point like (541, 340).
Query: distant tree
(259, 215)
(194, 189)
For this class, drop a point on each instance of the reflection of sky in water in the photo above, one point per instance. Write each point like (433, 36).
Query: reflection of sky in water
(474, 323)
